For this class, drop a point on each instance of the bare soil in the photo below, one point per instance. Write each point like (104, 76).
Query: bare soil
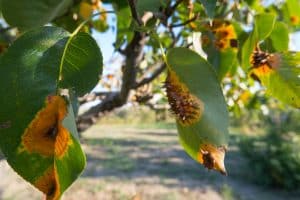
(146, 164)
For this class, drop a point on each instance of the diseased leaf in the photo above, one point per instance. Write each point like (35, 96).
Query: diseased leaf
(291, 14)
(280, 74)
(40, 129)
(28, 14)
(220, 44)
(197, 101)
(263, 26)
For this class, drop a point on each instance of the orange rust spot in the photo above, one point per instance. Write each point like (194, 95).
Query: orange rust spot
(48, 184)
(294, 20)
(264, 63)
(205, 40)
(224, 34)
(221, 44)
(263, 70)
(212, 157)
(187, 108)
(45, 134)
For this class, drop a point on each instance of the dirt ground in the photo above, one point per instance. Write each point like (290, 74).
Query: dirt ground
(148, 164)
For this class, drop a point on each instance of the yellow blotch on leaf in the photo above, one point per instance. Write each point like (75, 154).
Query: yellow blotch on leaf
(295, 20)
(48, 184)
(46, 135)
(212, 157)
(225, 36)
(187, 108)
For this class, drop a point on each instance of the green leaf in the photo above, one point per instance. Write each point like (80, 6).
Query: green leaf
(263, 27)
(291, 14)
(81, 63)
(280, 37)
(197, 101)
(124, 33)
(148, 5)
(28, 14)
(210, 6)
(264, 24)
(281, 77)
(37, 124)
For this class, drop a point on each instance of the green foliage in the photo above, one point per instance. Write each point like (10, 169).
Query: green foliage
(81, 58)
(210, 6)
(148, 5)
(263, 27)
(43, 68)
(280, 37)
(19, 13)
(275, 158)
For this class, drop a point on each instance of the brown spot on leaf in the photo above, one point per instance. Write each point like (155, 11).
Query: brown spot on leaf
(48, 184)
(295, 20)
(224, 33)
(45, 134)
(187, 108)
(233, 43)
(263, 63)
(212, 157)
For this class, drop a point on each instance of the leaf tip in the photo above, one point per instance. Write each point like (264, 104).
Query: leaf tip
(213, 157)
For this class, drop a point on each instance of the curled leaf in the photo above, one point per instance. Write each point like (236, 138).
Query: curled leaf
(197, 101)
(212, 157)
(279, 73)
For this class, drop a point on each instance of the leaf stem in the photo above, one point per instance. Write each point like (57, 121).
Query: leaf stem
(70, 39)
(90, 18)
(155, 36)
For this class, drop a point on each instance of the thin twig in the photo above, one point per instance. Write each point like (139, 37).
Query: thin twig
(155, 74)
(186, 22)
(135, 15)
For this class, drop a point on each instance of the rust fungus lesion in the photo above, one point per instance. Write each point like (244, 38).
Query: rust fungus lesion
(212, 157)
(263, 63)
(186, 107)
(46, 135)
(225, 35)
(48, 184)
(295, 20)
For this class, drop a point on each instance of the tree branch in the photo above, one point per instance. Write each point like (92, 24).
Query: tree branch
(161, 67)
(186, 22)
(133, 54)
(135, 15)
